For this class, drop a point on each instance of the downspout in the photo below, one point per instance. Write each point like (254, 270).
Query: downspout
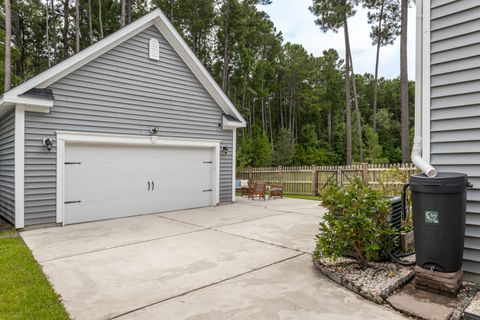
(416, 156)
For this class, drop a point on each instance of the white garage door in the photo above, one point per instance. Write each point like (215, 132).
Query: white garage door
(111, 181)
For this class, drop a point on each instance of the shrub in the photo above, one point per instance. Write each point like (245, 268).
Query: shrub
(356, 222)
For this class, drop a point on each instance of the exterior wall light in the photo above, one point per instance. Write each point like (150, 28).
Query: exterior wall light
(155, 130)
(225, 149)
(47, 142)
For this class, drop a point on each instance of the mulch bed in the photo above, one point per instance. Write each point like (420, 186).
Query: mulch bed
(376, 282)
(4, 225)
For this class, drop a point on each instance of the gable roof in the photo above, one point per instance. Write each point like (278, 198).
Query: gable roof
(156, 18)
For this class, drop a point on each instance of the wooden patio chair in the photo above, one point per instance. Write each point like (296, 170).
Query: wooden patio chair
(259, 189)
(245, 187)
(276, 190)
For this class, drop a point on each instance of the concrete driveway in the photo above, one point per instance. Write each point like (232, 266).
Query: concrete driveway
(248, 260)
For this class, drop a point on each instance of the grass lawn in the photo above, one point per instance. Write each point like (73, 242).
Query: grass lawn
(303, 197)
(25, 293)
(292, 196)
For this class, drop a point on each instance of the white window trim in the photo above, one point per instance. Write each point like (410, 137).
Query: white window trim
(64, 137)
(19, 166)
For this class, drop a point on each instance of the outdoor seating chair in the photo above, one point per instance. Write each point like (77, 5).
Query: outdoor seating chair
(259, 189)
(244, 188)
(276, 190)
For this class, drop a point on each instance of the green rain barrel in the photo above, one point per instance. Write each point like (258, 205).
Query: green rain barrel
(438, 206)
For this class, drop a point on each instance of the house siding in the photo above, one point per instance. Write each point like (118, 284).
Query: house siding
(7, 166)
(121, 92)
(455, 104)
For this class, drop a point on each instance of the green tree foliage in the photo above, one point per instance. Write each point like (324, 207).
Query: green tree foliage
(293, 101)
(284, 150)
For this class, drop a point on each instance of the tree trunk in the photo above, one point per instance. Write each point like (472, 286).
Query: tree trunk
(264, 127)
(129, 11)
(65, 29)
(357, 110)
(8, 46)
(405, 141)
(280, 107)
(100, 21)
(329, 126)
(77, 26)
(54, 31)
(90, 27)
(122, 15)
(225, 46)
(348, 120)
(47, 36)
(375, 81)
(19, 30)
(269, 106)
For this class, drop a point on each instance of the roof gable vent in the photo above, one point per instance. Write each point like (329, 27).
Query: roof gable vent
(154, 50)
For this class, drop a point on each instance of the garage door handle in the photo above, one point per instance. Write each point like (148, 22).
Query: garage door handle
(148, 185)
(69, 202)
(208, 190)
(153, 185)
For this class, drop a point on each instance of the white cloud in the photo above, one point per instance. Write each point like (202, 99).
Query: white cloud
(296, 23)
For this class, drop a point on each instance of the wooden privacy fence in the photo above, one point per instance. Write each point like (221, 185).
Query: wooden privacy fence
(309, 180)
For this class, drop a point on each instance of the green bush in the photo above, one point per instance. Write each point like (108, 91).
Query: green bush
(355, 223)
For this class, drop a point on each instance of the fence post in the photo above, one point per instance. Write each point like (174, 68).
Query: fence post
(365, 173)
(338, 176)
(280, 178)
(250, 174)
(314, 180)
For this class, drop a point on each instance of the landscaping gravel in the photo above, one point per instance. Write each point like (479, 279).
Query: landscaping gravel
(376, 282)
(473, 309)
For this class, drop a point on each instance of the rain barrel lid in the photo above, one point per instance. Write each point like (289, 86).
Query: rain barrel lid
(443, 182)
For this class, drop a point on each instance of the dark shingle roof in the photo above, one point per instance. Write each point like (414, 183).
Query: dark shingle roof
(39, 93)
(230, 118)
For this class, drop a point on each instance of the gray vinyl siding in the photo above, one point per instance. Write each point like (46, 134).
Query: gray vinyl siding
(7, 166)
(455, 104)
(121, 92)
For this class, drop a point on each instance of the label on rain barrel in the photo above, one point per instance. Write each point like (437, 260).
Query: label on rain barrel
(431, 216)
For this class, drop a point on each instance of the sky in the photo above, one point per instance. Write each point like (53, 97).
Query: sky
(296, 23)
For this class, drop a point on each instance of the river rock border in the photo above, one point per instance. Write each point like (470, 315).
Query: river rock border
(345, 272)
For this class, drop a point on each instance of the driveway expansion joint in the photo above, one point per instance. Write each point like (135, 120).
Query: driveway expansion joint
(206, 286)
(216, 228)
(120, 246)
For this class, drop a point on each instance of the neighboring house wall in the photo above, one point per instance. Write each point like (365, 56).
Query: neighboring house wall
(7, 166)
(455, 104)
(121, 92)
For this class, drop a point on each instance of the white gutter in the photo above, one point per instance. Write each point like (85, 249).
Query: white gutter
(416, 156)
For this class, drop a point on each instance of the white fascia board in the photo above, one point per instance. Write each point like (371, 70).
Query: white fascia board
(8, 99)
(157, 18)
(231, 125)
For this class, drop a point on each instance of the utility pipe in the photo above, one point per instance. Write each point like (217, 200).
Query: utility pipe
(416, 156)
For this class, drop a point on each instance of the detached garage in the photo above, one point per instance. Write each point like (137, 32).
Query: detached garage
(131, 125)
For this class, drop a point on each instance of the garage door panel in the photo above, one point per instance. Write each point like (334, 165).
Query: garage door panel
(111, 181)
(100, 189)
